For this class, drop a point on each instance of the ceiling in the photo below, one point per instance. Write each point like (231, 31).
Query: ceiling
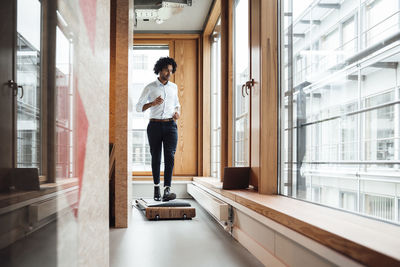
(187, 19)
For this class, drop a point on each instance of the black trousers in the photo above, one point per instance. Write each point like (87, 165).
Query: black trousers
(166, 134)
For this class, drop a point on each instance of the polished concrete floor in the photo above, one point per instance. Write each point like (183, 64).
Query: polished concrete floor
(37, 249)
(166, 243)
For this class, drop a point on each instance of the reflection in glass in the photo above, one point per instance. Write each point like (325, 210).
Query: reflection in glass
(340, 122)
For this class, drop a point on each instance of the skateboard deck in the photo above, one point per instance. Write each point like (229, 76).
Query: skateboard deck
(174, 209)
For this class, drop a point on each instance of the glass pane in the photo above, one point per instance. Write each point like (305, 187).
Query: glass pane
(241, 76)
(66, 103)
(216, 100)
(28, 76)
(144, 58)
(381, 22)
(340, 111)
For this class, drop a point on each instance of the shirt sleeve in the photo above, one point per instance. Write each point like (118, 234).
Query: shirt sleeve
(143, 99)
(177, 104)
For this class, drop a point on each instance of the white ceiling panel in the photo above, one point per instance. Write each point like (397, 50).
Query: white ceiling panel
(187, 19)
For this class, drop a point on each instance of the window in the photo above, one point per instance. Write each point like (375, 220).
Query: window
(348, 200)
(349, 38)
(340, 124)
(28, 75)
(140, 61)
(143, 74)
(381, 21)
(398, 209)
(216, 100)
(330, 44)
(66, 103)
(379, 206)
(241, 76)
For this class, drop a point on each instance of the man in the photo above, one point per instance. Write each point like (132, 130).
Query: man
(161, 97)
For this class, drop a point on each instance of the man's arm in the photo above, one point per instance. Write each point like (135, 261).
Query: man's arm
(147, 106)
(156, 102)
(142, 100)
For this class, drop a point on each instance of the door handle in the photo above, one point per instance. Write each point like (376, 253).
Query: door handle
(249, 85)
(14, 86)
(242, 89)
(22, 91)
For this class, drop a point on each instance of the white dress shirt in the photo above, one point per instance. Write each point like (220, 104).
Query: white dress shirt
(168, 92)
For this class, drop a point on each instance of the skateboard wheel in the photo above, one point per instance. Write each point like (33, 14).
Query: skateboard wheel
(184, 216)
(157, 217)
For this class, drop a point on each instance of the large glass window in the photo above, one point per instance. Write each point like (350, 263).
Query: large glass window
(340, 122)
(144, 57)
(216, 100)
(66, 103)
(241, 76)
(28, 76)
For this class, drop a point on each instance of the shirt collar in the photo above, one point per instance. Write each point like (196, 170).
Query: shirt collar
(160, 83)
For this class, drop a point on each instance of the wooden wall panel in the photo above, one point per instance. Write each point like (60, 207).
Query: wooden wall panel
(226, 84)
(112, 71)
(269, 98)
(121, 33)
(186, 78)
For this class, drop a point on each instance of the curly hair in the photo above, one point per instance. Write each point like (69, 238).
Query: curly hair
(163, 62)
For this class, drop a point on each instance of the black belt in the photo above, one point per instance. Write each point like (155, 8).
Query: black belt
(162, 120)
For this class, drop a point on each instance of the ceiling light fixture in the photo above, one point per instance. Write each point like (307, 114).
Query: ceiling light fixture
(158, 11)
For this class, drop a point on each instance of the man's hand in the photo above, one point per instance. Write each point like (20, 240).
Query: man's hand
(157, 101)
(176, 116)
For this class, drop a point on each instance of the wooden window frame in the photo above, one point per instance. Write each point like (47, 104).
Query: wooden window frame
(212, 20)
(267, 155)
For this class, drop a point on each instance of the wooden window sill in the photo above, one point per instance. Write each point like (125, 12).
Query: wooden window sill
(7, 199)
(365, 240)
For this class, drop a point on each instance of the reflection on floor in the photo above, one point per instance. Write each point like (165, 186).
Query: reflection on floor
(197, 242)
(37, 249)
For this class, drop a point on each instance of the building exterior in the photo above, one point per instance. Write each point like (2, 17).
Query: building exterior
(340, 105)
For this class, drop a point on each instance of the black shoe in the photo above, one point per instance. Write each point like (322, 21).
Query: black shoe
(157, 195)
(168, 195)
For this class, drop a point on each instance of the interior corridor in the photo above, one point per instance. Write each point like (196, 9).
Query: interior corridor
(197, 242)
(277, 120)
